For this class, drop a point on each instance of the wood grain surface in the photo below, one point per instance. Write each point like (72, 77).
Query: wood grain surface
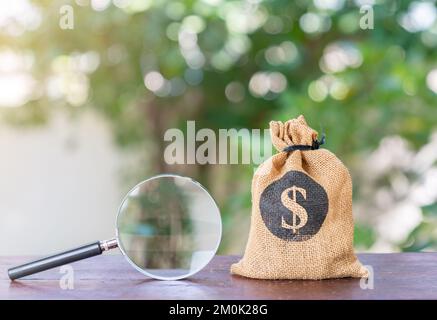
(396, 276)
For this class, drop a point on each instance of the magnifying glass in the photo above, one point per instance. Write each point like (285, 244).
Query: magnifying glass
(168, 228)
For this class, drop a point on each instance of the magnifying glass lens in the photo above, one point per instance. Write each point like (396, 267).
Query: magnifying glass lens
(168, 227)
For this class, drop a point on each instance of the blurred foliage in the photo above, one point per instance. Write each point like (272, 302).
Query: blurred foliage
(424, 236)
(359, 85)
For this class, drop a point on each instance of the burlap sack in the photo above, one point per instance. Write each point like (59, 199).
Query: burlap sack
(301, 225)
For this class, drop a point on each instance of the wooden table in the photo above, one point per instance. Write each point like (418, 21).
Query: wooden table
(397, 276)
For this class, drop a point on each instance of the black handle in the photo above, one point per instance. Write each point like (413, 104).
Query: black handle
(57, 260)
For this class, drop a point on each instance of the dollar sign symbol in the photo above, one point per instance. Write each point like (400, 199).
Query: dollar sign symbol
(296, 209)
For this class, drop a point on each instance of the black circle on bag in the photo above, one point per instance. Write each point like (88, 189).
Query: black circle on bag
(294, 207)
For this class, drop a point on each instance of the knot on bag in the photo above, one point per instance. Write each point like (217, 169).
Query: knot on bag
(293, 135)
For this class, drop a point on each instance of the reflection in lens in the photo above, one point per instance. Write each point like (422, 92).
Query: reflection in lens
(169, 227)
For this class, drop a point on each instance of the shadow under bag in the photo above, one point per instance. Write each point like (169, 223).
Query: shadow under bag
(301, 225)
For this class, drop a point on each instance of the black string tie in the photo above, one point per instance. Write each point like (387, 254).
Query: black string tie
(316, 145)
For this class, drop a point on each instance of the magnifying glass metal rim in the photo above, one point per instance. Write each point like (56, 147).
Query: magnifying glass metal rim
(120, 245)
(97, 248)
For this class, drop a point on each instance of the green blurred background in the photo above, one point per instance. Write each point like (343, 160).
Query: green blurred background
(147, 66)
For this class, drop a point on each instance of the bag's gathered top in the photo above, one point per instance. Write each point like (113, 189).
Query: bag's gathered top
(314, 146)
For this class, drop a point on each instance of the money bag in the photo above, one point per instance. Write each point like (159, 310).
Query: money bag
(301, 224)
